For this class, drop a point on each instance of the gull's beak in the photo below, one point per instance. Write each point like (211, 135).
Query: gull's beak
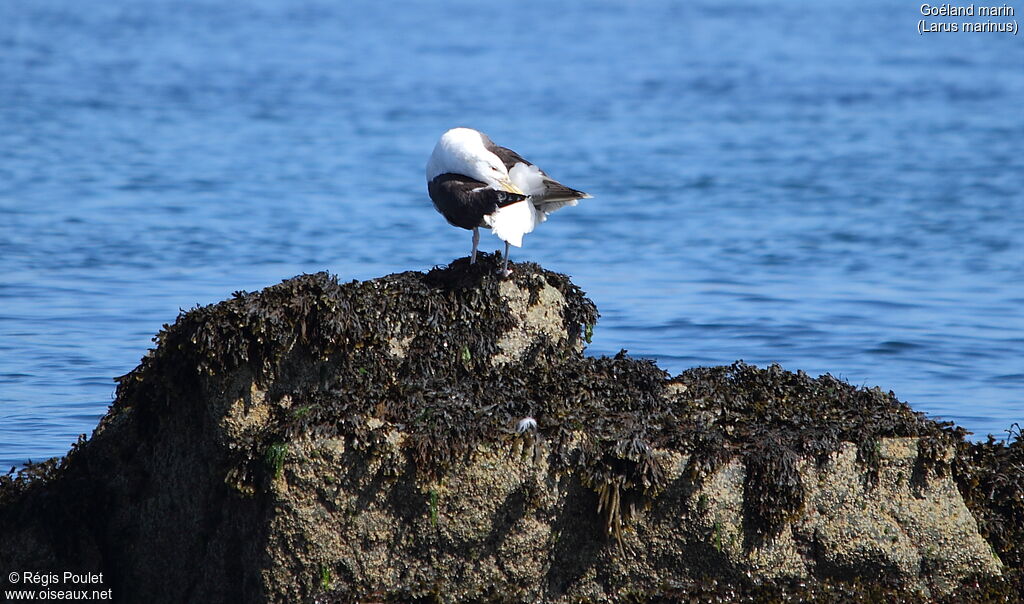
(511, 188)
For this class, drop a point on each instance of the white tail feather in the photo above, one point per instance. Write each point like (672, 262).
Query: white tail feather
(550, 206)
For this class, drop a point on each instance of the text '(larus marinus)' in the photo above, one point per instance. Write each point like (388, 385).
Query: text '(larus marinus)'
(475, 183)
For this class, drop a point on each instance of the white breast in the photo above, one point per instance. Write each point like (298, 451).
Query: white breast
(528, 178)
(511, 222)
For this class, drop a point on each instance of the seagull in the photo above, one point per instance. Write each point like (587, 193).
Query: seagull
(475, 183)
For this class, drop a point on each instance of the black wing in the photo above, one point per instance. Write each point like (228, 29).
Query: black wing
(507, 156)
(554, 191)
(464, 202)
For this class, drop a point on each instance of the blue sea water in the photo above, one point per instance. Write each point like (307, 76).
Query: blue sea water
(775, 181)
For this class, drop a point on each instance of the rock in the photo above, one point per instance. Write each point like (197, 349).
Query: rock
(359, 441)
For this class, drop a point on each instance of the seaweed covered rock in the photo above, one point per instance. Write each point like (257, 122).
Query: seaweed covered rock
(356, 441)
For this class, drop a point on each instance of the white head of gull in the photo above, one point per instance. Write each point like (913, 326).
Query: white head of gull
(475, 183)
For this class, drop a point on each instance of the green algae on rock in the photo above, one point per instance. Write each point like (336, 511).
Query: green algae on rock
(358, 440)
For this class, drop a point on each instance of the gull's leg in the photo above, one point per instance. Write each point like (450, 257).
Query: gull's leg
(504, 269)
(476, 241)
